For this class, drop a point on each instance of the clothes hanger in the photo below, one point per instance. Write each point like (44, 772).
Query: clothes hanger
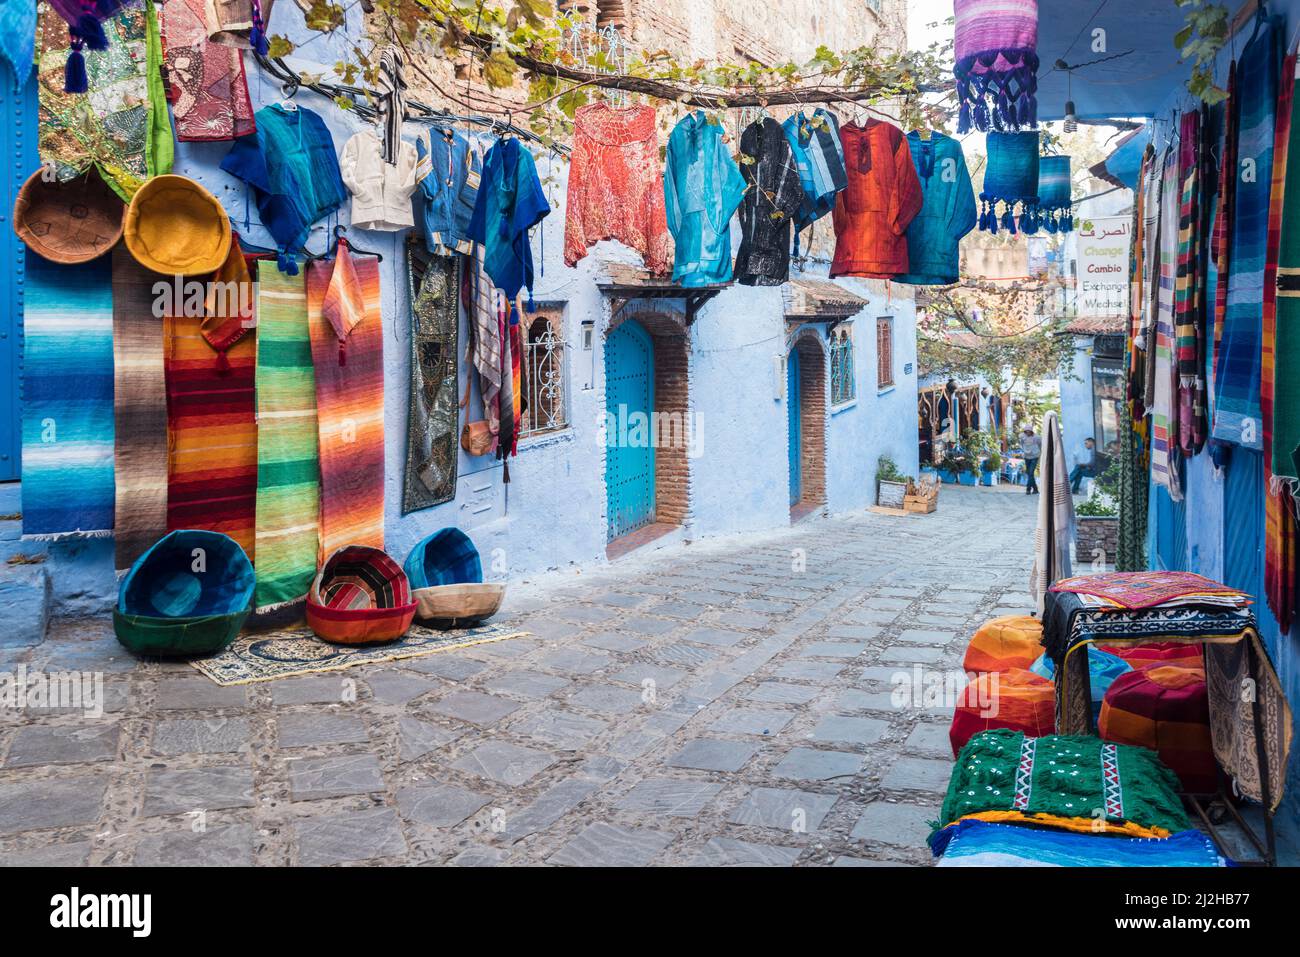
(288, 90)
(341, 238)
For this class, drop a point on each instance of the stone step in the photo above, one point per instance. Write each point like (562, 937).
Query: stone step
(25, 602)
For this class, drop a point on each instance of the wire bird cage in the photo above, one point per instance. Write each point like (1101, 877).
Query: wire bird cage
(602, 48)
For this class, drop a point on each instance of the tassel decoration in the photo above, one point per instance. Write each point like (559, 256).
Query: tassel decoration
(74, 71)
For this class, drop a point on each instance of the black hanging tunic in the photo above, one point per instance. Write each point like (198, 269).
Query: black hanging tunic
(773, 196)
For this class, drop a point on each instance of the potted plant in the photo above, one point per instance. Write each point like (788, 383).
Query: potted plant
(1096, 538)
(990, 466)
(891, 484)
(957, 467)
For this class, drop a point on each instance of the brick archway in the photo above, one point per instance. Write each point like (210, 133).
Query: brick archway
(810, 352)
(673, 420)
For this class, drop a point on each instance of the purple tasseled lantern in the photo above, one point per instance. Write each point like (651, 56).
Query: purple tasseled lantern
(996, 48)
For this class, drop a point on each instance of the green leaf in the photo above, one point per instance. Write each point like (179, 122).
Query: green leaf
(1182, 36)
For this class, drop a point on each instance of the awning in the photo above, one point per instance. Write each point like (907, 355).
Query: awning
(1135, 73)
(813, 299)
(1122, 166)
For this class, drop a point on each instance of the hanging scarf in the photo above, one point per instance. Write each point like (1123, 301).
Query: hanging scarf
(1221, 248)
(288, 458)
(1279, 519)
(1237, 411)
(484, 303)
(1164, 410)
(1133, 475)
(18, 38)
(229, 310)
(996, 64)
(432, 450)
(392, 102)
(1137, 345)
(139, 412)
(1055, 529)
(1011, 181)
(347, 346)
(1188, 314)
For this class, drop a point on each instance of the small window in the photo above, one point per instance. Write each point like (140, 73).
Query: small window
(844, 387)
(884, 352)
(544, 375)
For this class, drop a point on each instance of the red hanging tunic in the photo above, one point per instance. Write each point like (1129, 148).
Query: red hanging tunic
(883, 197)
(616, 186)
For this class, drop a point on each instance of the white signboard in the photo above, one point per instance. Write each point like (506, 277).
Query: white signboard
(1103, 278)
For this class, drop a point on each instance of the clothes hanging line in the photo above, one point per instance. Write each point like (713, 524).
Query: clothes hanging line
(361, 99)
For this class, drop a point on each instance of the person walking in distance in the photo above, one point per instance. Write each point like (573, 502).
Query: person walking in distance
(1031, 449)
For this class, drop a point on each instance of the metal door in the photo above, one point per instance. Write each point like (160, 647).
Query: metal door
(629, 449)
(18, 147)
(795, 421)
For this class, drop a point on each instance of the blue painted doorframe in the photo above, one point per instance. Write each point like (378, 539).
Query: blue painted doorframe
(794, 423)
(18, 147)
(629, 450)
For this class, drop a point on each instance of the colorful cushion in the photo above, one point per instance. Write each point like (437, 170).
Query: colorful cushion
(360, 596)
(1103, 669)
(1015, 699)
(1012, 641)
(1166, 709)
(1155, 654)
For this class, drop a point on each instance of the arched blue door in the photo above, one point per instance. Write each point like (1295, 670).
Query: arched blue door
(794, 423)
(18, 147)
(629, 451)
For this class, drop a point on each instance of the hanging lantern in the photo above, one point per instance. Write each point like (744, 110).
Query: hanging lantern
(1010, 182)
(996, 48)
(1054, 211)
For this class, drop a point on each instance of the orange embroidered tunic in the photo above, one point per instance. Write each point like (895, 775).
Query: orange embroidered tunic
(883, 197)
(616, 186)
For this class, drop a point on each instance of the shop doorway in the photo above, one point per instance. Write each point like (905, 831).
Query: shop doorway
(629, 453)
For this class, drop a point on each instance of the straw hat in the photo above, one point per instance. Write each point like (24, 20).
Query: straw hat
(176, 227)
(70, 222)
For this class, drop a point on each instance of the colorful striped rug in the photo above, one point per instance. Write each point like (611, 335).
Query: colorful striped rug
(288, 471)
(67, 483)
(212, 433)
(140, 411)
(347, 345)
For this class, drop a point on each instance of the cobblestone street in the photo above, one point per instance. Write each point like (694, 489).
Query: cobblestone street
(725, 702)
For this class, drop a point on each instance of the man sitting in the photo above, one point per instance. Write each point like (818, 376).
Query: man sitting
(1085, 465)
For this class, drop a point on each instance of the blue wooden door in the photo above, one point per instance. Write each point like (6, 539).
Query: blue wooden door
(794, 423)
(629, 451)
(18, 147)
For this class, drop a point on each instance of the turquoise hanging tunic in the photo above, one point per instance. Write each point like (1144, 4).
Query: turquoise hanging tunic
(947, 214)
(702, 190)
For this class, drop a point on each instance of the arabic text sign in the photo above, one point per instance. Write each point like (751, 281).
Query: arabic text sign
(1103, 279)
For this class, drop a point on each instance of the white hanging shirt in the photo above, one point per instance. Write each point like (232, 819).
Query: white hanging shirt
(381, 193)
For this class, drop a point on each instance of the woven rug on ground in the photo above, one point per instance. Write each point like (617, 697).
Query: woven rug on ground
(984, 844)
(212, 432)
(1068, 782)
(347, 345)
(288, 469)
(296, 651)
(140, 411)
(67, 486)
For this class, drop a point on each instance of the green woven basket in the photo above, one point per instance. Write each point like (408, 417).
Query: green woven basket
(176, 637)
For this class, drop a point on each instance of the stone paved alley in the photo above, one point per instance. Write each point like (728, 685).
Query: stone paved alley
(770, 736)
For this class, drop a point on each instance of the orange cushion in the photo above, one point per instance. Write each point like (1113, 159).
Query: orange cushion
(1166, 709)
(1017, 699)
(1013, 641)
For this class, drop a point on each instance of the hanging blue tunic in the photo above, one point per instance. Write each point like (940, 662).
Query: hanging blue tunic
(947, 214)
(702, 189)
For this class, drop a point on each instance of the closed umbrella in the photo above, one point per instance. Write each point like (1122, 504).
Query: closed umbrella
(1055, 516)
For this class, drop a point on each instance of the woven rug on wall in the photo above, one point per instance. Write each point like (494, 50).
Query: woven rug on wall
(296, 651)
(347, 345)
(140, 410)
(67, 486)
(212, 431)
(433, 423)
(288, 470)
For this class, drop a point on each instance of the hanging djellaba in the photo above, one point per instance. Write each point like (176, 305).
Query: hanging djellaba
(996, 64)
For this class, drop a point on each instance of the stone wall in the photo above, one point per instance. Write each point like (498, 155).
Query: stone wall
(1096, 539)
